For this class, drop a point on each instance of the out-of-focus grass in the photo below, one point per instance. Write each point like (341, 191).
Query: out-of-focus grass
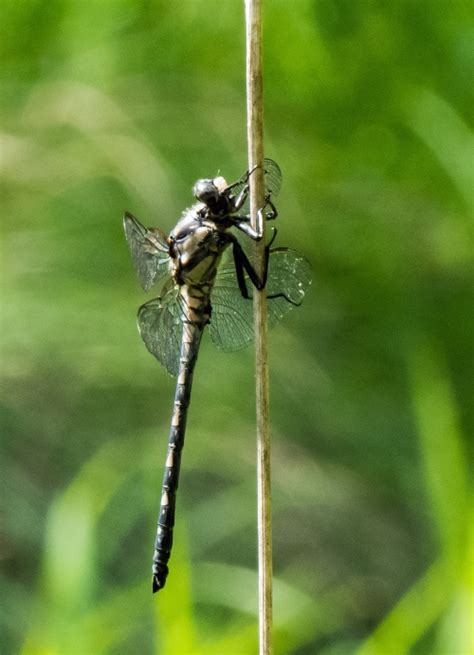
(116, 105)
(445, 588)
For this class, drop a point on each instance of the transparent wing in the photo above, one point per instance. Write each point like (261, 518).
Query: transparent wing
(149, 250)
(231, 326)
(289, 273)
(273, 177)
(273, 180)
(161, 327)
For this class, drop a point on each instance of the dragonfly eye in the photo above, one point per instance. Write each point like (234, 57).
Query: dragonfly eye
(206, 191)
(220, 183)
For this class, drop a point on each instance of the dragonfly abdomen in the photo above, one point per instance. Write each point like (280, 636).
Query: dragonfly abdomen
(197, 316)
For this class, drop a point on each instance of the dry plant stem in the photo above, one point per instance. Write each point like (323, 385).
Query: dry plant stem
(253, 15)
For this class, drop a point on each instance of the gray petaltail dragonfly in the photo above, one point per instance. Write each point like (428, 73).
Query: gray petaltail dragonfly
(200, 288)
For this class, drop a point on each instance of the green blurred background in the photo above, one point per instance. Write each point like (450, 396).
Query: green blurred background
(121, 104)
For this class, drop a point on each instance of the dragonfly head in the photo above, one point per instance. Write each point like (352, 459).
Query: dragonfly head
(210, 191)
(206, 191)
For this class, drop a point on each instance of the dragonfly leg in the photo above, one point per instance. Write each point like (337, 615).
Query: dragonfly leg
(243, 222)
(244, 179)
(241, 198)
(243, 265)
(271, 215)
(237, 219)
(239, 269)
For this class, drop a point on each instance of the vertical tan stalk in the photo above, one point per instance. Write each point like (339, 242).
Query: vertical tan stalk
(253, 16)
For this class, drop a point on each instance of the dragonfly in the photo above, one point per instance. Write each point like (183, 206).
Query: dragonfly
(206, 277)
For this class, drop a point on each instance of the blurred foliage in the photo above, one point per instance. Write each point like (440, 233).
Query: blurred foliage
(121, 104)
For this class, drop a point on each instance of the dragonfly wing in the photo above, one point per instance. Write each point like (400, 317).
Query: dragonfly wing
(231, 327)
(149, 249)
(289, 273)
(272, 176)
(272, 179)
(160, 322)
